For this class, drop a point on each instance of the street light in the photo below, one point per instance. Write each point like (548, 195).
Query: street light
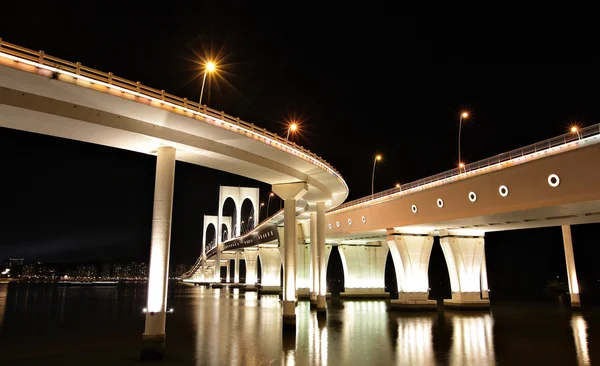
(210, 67)
(269, 201)
(293, 127)
(377, 158)
(464, 115)
(262, 204)
(397, 185)
(575, 129)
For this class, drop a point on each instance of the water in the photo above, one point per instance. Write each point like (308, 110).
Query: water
(53, 325)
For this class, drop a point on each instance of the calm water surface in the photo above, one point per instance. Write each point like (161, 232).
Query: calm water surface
(53, 325)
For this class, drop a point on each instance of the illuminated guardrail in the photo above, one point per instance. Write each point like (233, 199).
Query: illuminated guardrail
(444, 177)
(179, 105)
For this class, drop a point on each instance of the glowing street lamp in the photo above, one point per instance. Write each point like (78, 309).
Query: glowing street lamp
(397, 185)
(269, 201)
(210, 67)
(262, 204)
(377, 158)
(575, 129)
(464, 115)
(293, 127)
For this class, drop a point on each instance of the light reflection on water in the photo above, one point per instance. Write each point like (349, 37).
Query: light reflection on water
(95, 326)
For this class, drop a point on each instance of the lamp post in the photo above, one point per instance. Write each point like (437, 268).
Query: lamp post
(269, 201)
(210, 67)
(464, 115)
(262, 204)
(575, 129)
(293, 127)
(377, 158)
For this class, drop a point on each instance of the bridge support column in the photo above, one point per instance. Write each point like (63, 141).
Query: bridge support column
(270, 280)
(303, 283)
(228, 275)
(571, 273)
(251, 257)
(154, 337)
(236, 275)
(364, 270)
(464, 256)
(217, 274)
(321, 260)
(485, 290)
(314, 265)
(410, 254)
(289, 193)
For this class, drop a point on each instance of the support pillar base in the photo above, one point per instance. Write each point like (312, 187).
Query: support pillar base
(364, 293)
(250, 288)
(413, 305)
(289, 316)
(485, 295)
(153, 347)
(467, 301)
(313, 300)
(217, 285)
(575, 302)
(321, 306)
(269, 290)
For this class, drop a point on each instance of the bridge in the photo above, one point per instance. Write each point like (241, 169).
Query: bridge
(551, 183)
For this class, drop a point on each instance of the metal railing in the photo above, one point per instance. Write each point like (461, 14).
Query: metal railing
(566, 138)
(52, 63)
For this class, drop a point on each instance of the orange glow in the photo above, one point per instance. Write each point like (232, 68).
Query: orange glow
(210, 66)
(574, 129)
(397, 185)
(271, 194)
(464, 114)
(293, 127)
(461, 165)
(378, 157)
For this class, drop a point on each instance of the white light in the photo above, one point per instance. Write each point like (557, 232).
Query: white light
(414, 209)
(329, 226)
(337, 223)
(503, 190)
(349, 221)
(440, 203)
(6, 271)
(144, 310)
(553, 180)
(171, 310)
(472, 196)
(364, 219)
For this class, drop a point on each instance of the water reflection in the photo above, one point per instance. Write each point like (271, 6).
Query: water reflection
(579, 326)
(472, 339)
(415, 341)
(3, 296)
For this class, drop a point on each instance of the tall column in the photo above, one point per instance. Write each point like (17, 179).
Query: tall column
(153, 339)
(322, 260)
(485, 290)
(464, 256)
(411, 254)
(289, 193)
(314, 265)
(228, 275)
(251, 256)
(270, 265)
(236, 276)
(571, 273)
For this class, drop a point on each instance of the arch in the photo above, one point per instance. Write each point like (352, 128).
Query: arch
(211, 233)
(248, 216)
(213, 220)
(334, 262)
(238, 195)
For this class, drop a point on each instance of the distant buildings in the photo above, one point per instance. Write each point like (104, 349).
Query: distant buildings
(29, 270)
(15, 262)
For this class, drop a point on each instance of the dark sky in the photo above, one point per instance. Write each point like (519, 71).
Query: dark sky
(362, 80)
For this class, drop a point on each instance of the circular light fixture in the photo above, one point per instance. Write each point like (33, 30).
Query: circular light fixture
(330, 226)
(553, 180)
(414, 209)
(337, 223)
(364, 219)
(349, 221)
(440, 203)
(503, 190)
(472, 196)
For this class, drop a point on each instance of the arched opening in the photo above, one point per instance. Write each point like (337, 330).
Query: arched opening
(335, 272)
(225, 232)
(247, 216)
(391, 282)
(230, 210)
(242, 272)
(439, 278)
(210, 236)
(258, 270)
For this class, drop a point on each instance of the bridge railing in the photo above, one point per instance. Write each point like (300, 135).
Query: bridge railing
(139, 89)
(500, 158)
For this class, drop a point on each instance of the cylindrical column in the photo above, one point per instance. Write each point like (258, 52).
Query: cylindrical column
(314, 264)
(289, 263)
(227, 276)
(322, 259)
(485, 290)
(236, 276)
(154, 335)
(571, 273)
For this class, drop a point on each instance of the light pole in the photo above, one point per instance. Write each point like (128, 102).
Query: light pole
(464, 115)
(210, 67)
(575, 129)
(269, 201)
(293, 127)
(262, 204)
(377, 158)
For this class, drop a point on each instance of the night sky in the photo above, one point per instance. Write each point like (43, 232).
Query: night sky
(361, 83)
